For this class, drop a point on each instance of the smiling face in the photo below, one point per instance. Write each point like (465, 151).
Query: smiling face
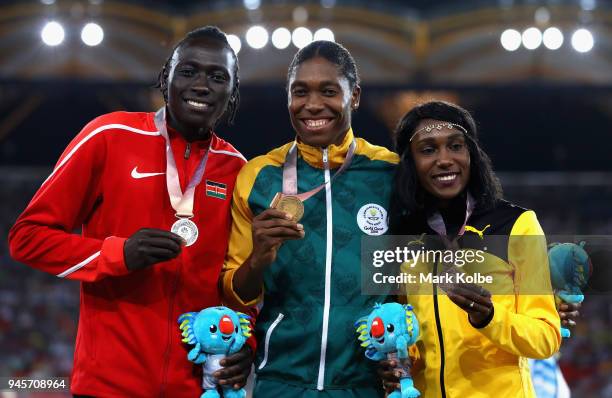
(217, 330)
(385, 328)
(200, 83)
(442, 160)
(320, 102)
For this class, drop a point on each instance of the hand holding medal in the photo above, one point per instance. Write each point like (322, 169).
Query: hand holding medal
(270, 229)
(279, 223)
(474, 300)
(149, 246)
(289, 204)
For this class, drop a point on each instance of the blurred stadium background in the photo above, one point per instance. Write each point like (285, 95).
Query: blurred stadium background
(536, 74)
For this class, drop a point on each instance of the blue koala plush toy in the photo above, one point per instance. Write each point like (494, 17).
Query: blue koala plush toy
(215, 332)
(386, 334)
(570, 269)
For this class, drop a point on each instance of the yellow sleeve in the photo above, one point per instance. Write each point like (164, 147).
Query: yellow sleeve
(531, 329)
(240, 240)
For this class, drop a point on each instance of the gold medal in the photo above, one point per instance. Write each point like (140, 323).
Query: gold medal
(289, 204)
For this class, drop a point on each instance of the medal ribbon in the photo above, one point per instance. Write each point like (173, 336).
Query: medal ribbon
(290, 172)
(436, 222)
(182, 202)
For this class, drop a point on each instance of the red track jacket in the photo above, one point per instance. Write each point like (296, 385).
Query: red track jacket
(110, 181)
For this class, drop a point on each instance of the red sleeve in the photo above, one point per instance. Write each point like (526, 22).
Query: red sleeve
(43, 237)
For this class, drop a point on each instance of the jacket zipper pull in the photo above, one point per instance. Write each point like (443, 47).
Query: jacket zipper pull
(187, 150)
(325, 162)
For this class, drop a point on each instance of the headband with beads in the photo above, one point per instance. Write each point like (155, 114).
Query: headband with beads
(439, 126)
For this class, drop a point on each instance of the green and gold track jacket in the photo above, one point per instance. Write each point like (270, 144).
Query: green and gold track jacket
(311, 294)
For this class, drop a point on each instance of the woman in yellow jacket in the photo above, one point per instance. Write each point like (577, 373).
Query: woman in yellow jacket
(475, 338)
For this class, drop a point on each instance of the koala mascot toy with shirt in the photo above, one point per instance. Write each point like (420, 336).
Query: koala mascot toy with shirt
(215, 332)
(386, 334)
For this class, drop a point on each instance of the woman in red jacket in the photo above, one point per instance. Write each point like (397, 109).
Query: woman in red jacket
(127, 180)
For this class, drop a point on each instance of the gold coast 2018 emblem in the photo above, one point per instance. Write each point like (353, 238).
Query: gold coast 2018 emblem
(372, 219)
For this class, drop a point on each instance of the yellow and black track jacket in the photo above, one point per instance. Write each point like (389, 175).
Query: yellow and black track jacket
(456, 359)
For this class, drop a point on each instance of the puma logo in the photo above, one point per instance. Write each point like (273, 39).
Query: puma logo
(480, 233)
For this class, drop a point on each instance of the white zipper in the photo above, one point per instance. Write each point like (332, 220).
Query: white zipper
(267, 341)
(328, 264)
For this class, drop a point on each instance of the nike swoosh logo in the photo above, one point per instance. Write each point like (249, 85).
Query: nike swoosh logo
(137, 175)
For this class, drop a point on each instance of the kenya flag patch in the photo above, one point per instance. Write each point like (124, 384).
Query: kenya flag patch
(216, 189)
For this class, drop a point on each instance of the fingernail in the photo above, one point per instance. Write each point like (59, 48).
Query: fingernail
(288, 216)
(300, 226)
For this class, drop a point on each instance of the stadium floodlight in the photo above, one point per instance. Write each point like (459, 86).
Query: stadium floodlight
(532, 38)
(251, 4)
(582, 41)
(552, 38)
(281, 38)
(541, 16)
(52, 34)
(257, 37)
(328, 3)
(324, 34)
(234, 42)
(511, 39)
(301, 37)
(92, 34)
(588, 5)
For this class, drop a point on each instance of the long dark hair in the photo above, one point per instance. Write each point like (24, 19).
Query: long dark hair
(407, 200)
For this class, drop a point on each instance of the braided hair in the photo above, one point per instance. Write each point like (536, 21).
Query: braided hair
(209, 32)
(331, 51)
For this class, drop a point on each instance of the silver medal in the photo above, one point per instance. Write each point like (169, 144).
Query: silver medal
(186, 229)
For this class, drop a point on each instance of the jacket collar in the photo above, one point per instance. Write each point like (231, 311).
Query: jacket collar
(175, 136)
(335, 153)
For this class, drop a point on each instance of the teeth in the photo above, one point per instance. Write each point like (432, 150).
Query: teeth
(197, 104)
(316, 123)
(448, 177)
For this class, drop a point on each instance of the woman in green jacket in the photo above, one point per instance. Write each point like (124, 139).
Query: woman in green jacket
(307, 273)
